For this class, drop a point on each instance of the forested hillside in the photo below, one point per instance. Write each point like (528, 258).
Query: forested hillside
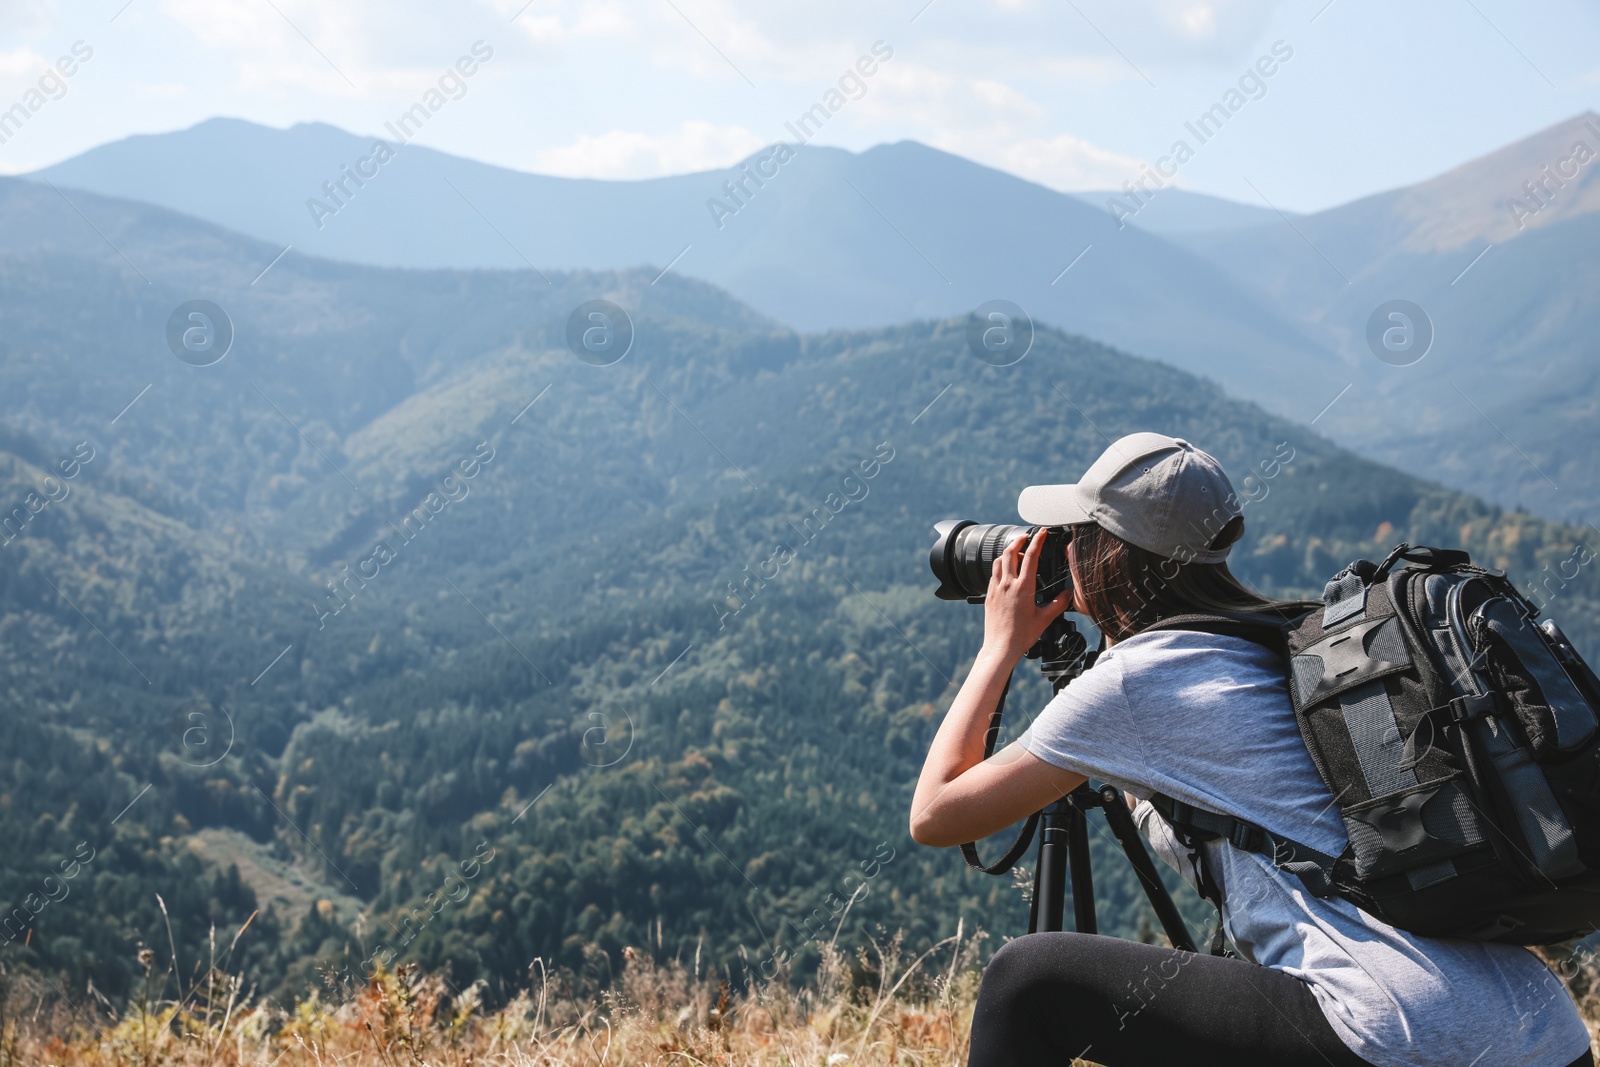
(433, 643)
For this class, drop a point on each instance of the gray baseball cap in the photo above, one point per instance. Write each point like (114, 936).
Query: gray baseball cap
(1158, 492)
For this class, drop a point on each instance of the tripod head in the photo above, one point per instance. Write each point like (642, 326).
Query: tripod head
(1063, 652)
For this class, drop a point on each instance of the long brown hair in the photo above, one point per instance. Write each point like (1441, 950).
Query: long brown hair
(1128, 588)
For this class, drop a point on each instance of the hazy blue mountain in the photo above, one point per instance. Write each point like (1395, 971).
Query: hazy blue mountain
(829, 239)
(1274, 309)
(1174, 212)
(322, 349)
(1505, 401)
(258, 181)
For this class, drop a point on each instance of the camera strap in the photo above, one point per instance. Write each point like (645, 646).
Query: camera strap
(969, 851)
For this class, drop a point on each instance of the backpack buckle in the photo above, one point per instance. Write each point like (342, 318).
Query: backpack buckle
(1245, 836)
(1476, 706)
(1177, 815)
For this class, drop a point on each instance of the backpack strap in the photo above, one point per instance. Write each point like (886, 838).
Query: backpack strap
(1193, 825)
(1264, 628)
(1166, 807)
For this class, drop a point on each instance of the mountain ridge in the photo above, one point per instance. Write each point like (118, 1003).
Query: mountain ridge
(1508, 386)
(834, 239)
(829, 239)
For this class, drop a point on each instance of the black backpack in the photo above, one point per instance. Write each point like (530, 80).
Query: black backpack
(1459, 741)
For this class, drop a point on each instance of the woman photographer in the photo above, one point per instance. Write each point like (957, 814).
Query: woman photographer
(1205, 719)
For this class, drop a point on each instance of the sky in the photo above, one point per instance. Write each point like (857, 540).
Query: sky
(1073, 94)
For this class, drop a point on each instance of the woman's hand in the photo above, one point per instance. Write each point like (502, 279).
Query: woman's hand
(960, 795)
(1011, 620)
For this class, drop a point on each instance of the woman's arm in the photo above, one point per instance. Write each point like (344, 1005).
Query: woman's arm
(960, 796)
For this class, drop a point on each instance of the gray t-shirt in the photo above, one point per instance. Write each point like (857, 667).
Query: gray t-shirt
(1207, 720)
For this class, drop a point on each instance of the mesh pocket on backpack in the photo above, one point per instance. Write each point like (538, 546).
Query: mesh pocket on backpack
(1412, 828)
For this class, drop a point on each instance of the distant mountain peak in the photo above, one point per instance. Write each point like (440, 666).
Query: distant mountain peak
(1543, 178)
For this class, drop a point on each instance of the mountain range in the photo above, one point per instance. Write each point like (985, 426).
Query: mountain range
(1500, 254)
(409, 631)
(1274, 307)
(827, 239)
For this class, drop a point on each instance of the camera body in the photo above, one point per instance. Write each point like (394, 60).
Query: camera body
(963, 556)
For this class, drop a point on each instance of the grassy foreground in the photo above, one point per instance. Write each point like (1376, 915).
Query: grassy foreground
(878, 1009)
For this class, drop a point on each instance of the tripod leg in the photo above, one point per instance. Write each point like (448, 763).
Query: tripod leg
(1166, 911)
(1082, 879)
(1050, 879)
(1033, 901)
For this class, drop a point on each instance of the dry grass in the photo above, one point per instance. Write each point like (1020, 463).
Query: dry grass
(880, 1007)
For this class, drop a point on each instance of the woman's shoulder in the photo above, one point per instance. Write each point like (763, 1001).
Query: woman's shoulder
(1156, 681)
(1169, 677)
(1191, 647)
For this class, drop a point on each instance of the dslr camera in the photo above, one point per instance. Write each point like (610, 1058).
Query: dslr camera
(964, 552)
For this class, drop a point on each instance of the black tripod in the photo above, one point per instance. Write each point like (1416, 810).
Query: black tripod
(1063, 654)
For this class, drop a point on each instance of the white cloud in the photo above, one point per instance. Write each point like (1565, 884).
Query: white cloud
(710, 39)
(1063, 162)
(1002, 97)
(1185, 32)
(21, 62)
(1195, 20)
(1087, 70)
(272, 50)
(795, 43)
(544, 31)
(25, 16)
(905, 92)
(603, 18)
(368, 49)
(542, 23)
(1152, 33)
(695, 146)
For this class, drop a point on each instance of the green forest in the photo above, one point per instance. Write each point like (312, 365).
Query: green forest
(658, 672)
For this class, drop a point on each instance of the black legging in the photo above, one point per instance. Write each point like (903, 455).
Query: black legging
(1047, 998)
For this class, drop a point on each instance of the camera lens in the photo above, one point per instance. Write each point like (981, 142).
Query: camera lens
(964, 552)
